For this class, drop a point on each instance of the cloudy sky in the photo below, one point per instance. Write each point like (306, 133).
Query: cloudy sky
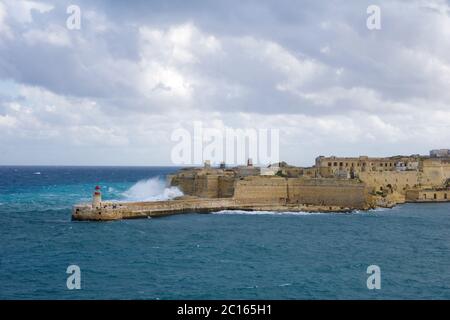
(112, 92)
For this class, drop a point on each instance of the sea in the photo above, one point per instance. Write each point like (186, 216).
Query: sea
(223, 255)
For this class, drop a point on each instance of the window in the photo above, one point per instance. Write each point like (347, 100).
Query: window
(335, 164)
(435, 196)
(445, 196)
(424, 195)
(329, 164)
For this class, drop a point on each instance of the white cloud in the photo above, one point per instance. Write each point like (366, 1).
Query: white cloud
(53, 34)
(325, 50)
(4, 28)
(117, 88)
(439, 6)
(7, 121)
(22, 10)
(169, 58)
(296, 71)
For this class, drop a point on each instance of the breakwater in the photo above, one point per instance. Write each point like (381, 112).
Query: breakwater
(107, 211)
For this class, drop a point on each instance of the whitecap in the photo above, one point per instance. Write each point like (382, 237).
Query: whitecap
(285, 284)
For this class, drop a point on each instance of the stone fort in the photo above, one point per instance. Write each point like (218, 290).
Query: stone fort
(347, 182)
(332, 184)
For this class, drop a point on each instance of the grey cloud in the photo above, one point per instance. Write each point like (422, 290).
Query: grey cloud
(314, 63)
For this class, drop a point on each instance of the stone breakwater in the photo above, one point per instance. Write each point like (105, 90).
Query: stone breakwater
(107, 211)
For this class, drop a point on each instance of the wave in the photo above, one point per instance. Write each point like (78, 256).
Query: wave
(294, 213)
(112, 190)
(380, 209)
(153, 189)
(371, 211)
(285, 284)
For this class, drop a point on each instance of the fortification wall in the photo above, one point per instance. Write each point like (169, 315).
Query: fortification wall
(435, 172)
(261, 189)
(324, 192)
(205, 186)
(210, 186)
(398, 181)
(424, 195)
(333, 192)
(226, 186)
(185, 184)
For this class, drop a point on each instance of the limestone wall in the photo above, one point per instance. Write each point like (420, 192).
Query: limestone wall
(334, 192)
(398, 181)
(325, 192)
(197, 185)
(435, 172)
(424, 195)
(261, 189)
(356, 165)
(205, 185)
(226, 187)
(210, 186)
(432, 174)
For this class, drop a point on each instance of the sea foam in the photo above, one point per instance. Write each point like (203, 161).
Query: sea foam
(153, 189)
(294, 213)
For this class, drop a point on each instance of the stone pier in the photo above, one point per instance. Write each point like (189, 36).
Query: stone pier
(132, 210)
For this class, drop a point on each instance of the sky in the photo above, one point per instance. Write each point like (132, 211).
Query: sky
(113, 91)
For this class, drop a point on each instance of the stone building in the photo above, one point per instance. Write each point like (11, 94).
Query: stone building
(351, 166)
(440, 153)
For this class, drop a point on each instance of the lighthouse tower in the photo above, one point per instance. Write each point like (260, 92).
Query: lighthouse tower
(97, 198)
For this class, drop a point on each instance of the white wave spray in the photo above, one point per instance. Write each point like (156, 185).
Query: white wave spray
(258, 212)
(153, 189)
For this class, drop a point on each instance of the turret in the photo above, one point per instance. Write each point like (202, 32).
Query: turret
(97, 198)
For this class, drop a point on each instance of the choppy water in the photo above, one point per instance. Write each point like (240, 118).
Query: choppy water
(208, 256)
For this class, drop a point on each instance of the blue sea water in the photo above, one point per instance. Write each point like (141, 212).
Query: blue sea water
(226, 255)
